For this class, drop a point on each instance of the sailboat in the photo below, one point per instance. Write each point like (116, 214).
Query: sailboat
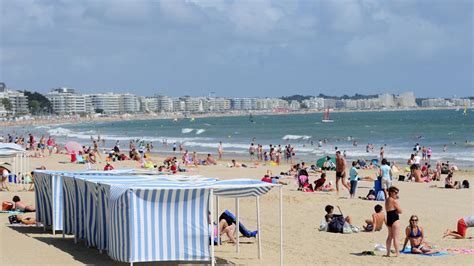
(326, 118)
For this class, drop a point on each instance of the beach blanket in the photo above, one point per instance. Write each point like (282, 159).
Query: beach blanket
(12, 212)
(25, 225)
(407, 250)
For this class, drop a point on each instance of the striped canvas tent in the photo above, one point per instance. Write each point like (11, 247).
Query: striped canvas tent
(49, 194)
(139, 218)
(86, 199)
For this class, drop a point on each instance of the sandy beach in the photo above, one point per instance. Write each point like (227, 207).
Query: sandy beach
(437, 208)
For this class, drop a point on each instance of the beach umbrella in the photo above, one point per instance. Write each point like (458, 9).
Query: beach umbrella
(7, 166)
(321, 160)
(71, 146)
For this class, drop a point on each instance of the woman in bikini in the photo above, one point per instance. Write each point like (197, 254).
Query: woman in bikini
(416, 235)
(393, 223)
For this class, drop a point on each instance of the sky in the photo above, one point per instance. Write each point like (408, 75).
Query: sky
(239, 48)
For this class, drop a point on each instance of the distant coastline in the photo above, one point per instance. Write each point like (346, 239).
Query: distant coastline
(167, 116)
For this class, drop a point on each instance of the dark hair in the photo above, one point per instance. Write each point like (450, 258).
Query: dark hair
(393, 189)
(378, 208)
(354, 163)
(16, 199)
(384, 161)
(329, 208)
(323, 175)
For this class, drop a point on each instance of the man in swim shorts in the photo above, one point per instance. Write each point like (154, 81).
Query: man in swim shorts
(340, 171)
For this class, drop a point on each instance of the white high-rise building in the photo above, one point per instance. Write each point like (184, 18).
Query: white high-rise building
(109, 103)
(164, 103)
(406, 99)
(129, 103)
(386, 100)
(18, 100)
(67, 101)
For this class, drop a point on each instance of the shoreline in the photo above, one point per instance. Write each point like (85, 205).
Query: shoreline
(168, 116)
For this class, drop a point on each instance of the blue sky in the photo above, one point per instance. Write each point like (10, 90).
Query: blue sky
(239, 48)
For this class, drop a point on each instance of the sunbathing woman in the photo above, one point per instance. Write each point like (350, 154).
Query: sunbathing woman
(415, 234)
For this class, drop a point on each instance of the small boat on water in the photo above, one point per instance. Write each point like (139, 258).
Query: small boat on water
(326, 118)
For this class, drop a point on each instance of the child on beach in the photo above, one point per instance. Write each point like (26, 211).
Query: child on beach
(377, 221)
(353, 179)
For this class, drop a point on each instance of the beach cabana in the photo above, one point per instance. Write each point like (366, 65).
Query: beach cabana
(169, 221)
(139, 218)
(49, 194)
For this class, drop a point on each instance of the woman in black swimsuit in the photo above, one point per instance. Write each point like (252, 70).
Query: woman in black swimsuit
(393, 224)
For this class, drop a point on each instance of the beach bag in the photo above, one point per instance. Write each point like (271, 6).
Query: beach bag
(465, 184)
(336, 225)
(347, 229)
(380, 196)
(6, 206)
(323, 226)
(401, 178)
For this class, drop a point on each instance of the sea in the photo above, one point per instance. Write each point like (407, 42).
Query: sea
(397, 131)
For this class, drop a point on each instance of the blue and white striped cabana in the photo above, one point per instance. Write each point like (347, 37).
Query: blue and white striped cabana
(49, 192)
(139, 218)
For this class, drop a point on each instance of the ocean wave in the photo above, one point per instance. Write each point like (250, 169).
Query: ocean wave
(296, 137)
(187, 130)
(42, 127)
(200, 131)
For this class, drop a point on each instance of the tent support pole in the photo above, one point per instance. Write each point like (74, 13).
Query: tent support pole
(52, 206)
(259, 231)
(237, 224)
(281, 226)
(218, 222)
(211, 197)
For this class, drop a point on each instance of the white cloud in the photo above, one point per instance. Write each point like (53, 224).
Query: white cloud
(254, 18)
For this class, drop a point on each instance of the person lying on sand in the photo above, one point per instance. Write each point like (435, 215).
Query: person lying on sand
(17, 219)
(414, 232)
(272, 179)
(21, 206)
(377, 221)
(236, 164)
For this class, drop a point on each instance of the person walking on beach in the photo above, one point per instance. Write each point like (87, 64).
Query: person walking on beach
(220, 150)
(340, 171)
(393, 220)
(382, 152)
(386, 173)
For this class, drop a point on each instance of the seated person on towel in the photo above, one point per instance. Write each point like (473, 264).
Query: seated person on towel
(415, 234)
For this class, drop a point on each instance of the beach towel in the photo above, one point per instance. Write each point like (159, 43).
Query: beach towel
(460, 251)
(12, 212)
(407, 250)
